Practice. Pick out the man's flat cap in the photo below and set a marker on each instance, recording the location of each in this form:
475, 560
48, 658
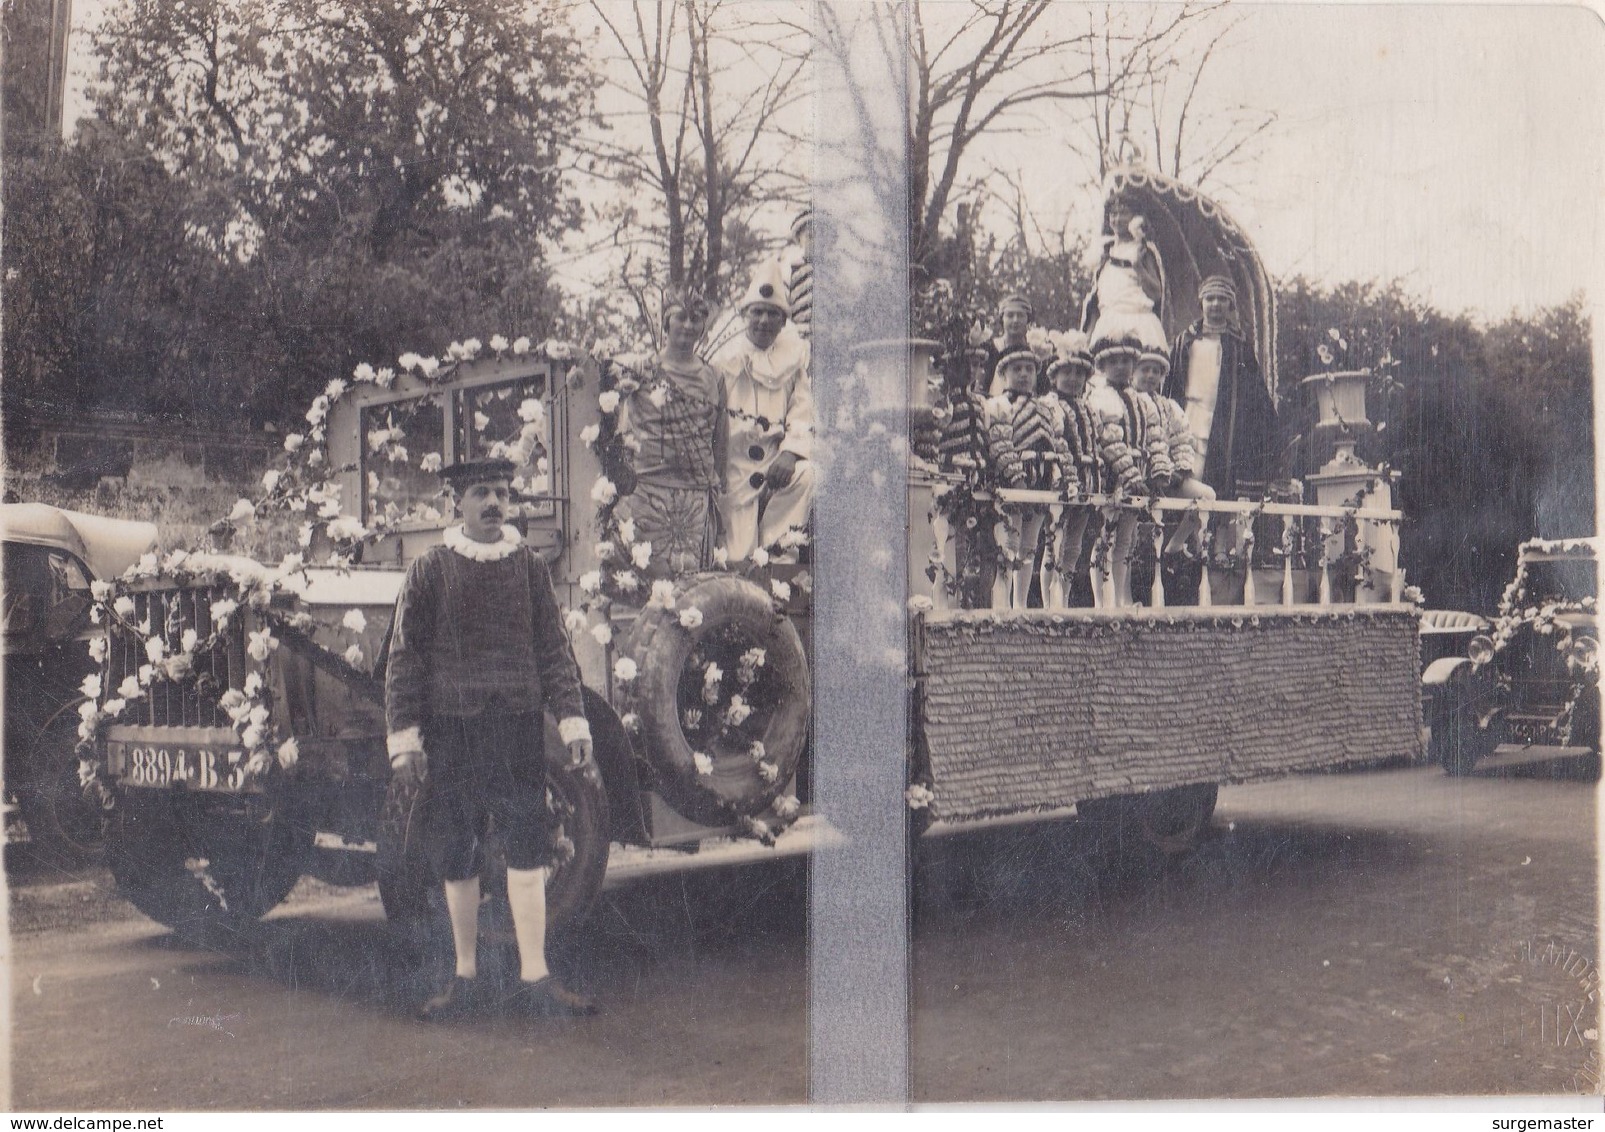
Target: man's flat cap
465, 473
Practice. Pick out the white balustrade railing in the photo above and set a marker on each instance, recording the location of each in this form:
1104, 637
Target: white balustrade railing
1325, 555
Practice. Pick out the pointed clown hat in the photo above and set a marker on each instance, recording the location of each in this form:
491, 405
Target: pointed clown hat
767, 289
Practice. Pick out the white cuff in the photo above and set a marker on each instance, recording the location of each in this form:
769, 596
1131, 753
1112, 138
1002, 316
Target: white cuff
573, 729
410, 741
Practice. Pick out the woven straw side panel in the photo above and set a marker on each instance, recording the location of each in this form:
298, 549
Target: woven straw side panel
1025, 712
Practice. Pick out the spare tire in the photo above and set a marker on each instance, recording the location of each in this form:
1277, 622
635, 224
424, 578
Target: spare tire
724, 704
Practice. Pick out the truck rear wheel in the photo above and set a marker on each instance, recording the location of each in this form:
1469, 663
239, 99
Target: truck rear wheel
1154, 827
413, 900
198, 864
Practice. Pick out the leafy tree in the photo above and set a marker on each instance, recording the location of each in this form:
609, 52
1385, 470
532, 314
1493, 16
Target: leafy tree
1542, 368
1490, 428
987, 66
985, 263
281, 188
1148, 106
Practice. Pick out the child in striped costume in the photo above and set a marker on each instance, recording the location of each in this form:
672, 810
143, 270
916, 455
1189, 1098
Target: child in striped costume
967, 447
1028, 426
1152, 366
1132, 441
1067, 375
800, 281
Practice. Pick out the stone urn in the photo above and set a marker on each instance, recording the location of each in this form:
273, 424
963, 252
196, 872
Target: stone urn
1340, 403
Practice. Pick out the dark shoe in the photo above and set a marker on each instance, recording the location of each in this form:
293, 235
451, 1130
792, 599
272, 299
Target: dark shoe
456, 1002
549, 998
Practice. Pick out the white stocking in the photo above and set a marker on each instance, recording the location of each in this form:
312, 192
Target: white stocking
526, 892
1030, 533
462, 904
1066, 556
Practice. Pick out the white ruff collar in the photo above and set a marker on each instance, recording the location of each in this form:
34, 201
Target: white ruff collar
510, 541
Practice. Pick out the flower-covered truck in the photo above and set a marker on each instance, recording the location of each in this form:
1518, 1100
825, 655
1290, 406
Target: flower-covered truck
1529, 688
239, 720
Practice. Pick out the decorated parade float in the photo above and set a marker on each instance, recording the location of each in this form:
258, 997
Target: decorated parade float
1296, 649
236, 720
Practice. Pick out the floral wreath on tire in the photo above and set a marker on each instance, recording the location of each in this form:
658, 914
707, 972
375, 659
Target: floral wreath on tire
733, 702
304, 487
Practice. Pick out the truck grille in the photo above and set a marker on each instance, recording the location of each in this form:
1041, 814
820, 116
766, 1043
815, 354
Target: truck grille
192, 701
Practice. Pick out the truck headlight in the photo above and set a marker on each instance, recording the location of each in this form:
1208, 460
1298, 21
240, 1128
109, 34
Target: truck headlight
1480, 649
1585, 653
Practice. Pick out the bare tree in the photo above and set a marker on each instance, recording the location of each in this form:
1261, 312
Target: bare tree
988, 66
1152, 106
712, 96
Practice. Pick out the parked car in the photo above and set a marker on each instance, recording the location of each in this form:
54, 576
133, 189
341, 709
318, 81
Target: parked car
1447, 632
1531, 682
51, 557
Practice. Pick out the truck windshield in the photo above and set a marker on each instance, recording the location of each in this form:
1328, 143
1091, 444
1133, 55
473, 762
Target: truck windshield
489, 420
404, 489
1566, 579
509, 419
406, 442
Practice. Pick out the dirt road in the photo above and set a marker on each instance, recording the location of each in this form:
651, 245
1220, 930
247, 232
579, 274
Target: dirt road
1396, 932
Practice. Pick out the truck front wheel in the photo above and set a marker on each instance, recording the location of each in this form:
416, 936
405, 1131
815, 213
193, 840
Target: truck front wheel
199, 863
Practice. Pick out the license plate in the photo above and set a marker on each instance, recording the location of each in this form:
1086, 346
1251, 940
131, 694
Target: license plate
177, 764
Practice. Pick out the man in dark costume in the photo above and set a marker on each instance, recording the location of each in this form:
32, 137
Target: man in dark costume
477, 651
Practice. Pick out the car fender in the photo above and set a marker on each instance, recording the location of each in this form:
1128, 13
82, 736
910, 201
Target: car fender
1441, 671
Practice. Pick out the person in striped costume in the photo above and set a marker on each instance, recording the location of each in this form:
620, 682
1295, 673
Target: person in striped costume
968, 449
1131, 439
1028, 426
1067, 374
800, 263
1153, 364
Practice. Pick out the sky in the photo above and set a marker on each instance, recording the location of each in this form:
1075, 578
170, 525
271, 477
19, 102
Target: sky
1459, 148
